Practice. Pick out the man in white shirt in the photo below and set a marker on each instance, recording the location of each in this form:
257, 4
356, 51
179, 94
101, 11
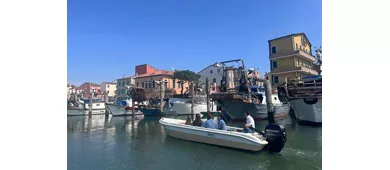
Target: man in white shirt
249, 123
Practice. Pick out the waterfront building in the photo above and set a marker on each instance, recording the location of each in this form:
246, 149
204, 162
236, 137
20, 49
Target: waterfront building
290, 57
87, 87
147, 77
109, 88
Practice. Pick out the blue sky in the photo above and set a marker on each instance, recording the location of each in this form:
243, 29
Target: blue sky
107, 39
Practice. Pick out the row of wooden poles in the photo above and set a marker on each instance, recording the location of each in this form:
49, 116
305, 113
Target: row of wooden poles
268, 93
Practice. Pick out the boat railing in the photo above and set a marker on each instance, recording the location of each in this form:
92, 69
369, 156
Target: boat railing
303, 88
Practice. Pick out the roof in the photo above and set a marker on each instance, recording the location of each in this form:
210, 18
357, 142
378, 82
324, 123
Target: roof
129, 77
146, 65
157, 73
108, 83
92, 84
215, 65
295, 34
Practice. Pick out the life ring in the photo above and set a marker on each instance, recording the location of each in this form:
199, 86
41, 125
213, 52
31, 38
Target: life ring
310, 102
223, 81
242, 80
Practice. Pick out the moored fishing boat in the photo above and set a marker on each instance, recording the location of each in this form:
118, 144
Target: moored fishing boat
82, 108
273, 139
305, 98
236, 99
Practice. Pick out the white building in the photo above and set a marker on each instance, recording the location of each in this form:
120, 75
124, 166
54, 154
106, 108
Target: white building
213, 72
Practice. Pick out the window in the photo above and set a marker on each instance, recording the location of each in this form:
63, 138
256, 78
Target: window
273, 50
211, 71
153, 84
218, 70
179, 84
296, 46
276, 79
128, 82
214, 80
173, 83
137, 84
275, 64
143, 85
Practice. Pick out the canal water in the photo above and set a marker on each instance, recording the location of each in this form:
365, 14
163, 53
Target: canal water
125, 143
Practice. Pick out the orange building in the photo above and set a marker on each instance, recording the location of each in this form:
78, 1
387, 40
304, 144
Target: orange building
148, 76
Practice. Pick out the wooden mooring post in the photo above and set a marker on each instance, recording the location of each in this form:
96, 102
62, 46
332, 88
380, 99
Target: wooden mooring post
90, 103
270, 107
192, 101
162, 89
208, 94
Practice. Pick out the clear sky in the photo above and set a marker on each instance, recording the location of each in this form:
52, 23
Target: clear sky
108, 38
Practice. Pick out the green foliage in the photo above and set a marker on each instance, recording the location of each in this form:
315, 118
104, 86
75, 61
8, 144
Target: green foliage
186, 75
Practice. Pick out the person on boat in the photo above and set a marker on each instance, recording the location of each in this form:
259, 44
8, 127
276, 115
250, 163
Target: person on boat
189, 120
210, 122
221, 123
197, 121
250, 122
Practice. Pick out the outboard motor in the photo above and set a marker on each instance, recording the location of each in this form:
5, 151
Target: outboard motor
276, 137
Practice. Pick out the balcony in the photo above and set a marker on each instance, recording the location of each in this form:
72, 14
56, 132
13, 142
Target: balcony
294, 69
293, 53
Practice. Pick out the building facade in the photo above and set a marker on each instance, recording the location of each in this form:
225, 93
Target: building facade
121, 87
290, 57
87, 88
147, 78
108, 87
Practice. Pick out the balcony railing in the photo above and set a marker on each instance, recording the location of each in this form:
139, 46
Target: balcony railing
295, 69
293, 53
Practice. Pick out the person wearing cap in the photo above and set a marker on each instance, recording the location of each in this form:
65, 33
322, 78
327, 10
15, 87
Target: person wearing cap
210, 122
221, 123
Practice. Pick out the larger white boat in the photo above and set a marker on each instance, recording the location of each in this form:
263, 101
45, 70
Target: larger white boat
275, 140
183, 106
305, 98
123, 110
98, 108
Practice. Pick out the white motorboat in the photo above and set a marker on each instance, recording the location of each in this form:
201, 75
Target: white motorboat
120, 110
274, 141
98, 108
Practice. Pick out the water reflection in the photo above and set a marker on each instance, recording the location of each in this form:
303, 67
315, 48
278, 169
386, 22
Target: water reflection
102, 142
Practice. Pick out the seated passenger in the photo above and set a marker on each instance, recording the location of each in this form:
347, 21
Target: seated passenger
189, 120
210, 122
249, 123
221, 123
197, 121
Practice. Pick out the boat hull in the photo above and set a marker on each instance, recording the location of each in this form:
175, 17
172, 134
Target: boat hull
84, 112
235, 140
236, 110
150, 111
185, 108
118, 110
307, 113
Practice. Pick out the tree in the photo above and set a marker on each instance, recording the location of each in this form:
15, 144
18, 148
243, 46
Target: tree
185, 76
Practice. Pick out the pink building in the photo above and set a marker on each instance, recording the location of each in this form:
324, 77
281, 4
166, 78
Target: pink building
87, 89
